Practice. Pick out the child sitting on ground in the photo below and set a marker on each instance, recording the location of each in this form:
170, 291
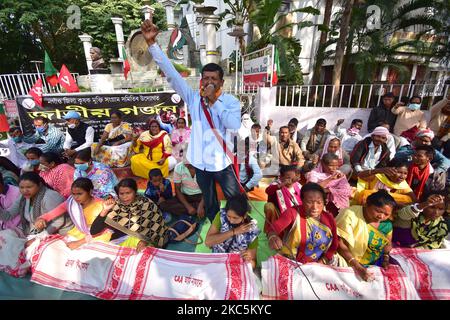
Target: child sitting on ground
283, 194
159, 189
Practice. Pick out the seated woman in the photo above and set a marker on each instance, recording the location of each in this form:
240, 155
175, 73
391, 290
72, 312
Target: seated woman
333, 181
332, 145
57, 175
9, 171
365, 234
422, 225
32, 164
283, 194
152, 148
8, 195
131, 207
35, 200
114, 146
311, 230
102, 177
391, 179
233, 231
82, 208
180, 139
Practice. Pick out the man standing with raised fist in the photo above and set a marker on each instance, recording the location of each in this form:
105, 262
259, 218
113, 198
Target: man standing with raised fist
209, 108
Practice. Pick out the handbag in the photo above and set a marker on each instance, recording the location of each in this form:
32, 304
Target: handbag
182, 229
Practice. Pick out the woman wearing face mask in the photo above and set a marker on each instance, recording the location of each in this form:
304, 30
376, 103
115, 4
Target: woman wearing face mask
134, 207
180, 139
113, 149
233, 231
365, 234
32, 165
82, 208
391, 178
311, 230
422, 225
152, 148
35, 200
58, 175
102, 177
8, 195
409, 116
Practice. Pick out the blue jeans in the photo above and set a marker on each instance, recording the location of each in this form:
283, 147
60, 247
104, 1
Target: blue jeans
206, 181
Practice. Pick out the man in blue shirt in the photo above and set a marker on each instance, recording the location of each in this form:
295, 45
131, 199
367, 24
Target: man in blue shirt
47, 137
424, 137
205, 152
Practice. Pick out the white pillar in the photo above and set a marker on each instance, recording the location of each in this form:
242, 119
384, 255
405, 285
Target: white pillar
210, 22
87, 45
413, 73
201, 39
119, 34
169, 5
147, 11
384, 73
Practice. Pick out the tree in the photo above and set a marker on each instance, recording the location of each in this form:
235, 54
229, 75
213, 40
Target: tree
96, 21
266, 17
367, 51
31, 26
340, 47
323, 40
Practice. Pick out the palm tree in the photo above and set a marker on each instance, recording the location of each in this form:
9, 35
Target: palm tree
266, 18
323, 40
340, 47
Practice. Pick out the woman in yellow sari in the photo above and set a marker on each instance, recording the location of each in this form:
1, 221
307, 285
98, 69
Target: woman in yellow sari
113, 149
392, 179
152, 148
83, 208
365, 234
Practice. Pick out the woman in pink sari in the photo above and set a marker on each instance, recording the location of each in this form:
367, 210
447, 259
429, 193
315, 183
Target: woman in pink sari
333, 145
58, 175
8, 195
180, 139
333, 181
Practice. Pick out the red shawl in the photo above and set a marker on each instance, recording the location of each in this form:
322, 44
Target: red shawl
153, 144
415, 173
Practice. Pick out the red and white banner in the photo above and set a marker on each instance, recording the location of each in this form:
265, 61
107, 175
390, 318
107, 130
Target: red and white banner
257, 68
13, 256
108, 271
283, 279
429, 271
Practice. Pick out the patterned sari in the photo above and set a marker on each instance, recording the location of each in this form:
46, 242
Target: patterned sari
399, 191
102, 177
308, 240
365, 242
115, 156
238, 242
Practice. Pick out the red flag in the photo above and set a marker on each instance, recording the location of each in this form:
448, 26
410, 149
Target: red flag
36, 92
66, 80
126, 64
